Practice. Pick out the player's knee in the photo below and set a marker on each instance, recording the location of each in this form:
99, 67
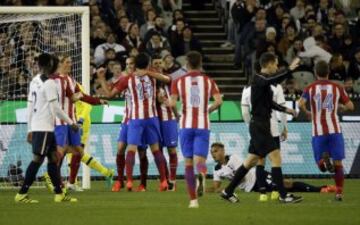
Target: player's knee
338, 163
38, 159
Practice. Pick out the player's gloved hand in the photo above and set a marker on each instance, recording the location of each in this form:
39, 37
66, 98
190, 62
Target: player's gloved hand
75, 127
29, 137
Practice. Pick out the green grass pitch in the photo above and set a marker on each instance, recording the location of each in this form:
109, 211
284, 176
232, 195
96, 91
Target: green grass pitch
99, 206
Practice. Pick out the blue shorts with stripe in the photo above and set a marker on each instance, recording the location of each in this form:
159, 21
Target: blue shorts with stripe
331, 143
169, 133
123, 133
194, 142
64, 136
142, 131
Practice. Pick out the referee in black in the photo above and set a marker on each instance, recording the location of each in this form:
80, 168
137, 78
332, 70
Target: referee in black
262, 142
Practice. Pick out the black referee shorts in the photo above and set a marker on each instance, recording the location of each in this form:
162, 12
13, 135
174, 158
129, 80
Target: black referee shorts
43, 143
261, 142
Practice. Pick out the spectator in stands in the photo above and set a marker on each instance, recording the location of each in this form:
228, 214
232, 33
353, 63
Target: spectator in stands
255, 37
241, 14
110, 55
349, 48
133, 40
291, 89
309, 26
110, 43
276, 15
188, 43
159, 28
337, 68
317, 30
288, 39
337, 41
121, 30
354, 67
113, 71
314, 52
322, 12
175, 34
156, 44
170, 65
97, 37
270, 35
295, 48
149, 24
298, 12
167, 7
349, 86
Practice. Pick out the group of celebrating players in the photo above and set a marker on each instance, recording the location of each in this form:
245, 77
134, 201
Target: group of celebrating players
151, 119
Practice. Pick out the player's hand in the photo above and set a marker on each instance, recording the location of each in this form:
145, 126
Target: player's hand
341, 108
294, 64
29, 137
75, 127
284, 135
101, 72
140, 72
104, 102
291, 112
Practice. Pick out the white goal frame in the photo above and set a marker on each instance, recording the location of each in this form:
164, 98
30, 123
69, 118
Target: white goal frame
85, 48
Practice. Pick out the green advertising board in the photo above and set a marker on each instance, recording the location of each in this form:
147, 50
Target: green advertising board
15, 112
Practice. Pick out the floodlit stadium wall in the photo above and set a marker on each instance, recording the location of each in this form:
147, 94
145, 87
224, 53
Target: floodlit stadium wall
296, 151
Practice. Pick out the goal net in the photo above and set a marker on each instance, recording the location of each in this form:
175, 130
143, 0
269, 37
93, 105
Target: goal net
25, 32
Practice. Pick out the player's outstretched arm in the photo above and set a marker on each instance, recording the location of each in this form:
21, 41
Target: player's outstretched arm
155, 75
281, 75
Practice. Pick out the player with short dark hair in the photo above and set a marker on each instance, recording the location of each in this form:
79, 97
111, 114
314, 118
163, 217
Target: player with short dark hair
43, 108
168, 122
143, 123
262, 142
326, 98
228, 164
195, 90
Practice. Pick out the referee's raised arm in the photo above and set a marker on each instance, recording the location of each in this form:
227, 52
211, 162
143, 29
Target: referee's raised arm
269, 74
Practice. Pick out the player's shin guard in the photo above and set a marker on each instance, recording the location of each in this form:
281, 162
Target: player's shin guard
30, 176
94, 164
173, 165
160, 163
239, 175
54, 176
190, 181
120, 164
278, 180
144, 165
74, 167
261, 179
339, 179
129, 163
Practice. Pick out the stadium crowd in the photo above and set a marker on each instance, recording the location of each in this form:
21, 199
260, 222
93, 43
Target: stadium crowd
310, 29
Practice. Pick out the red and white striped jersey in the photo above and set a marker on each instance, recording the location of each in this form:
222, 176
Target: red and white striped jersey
324, 97
194, 90
65, 86
165, 113
128, 105
142, 90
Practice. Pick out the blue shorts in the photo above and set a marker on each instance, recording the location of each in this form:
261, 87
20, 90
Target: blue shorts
144, 131
123, 136
194, 142
169, 133
331, 143
64, 135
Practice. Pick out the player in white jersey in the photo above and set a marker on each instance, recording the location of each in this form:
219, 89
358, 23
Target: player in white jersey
228, 164
43, 108
278, 97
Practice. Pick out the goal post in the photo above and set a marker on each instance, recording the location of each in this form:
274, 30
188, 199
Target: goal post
54, 25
